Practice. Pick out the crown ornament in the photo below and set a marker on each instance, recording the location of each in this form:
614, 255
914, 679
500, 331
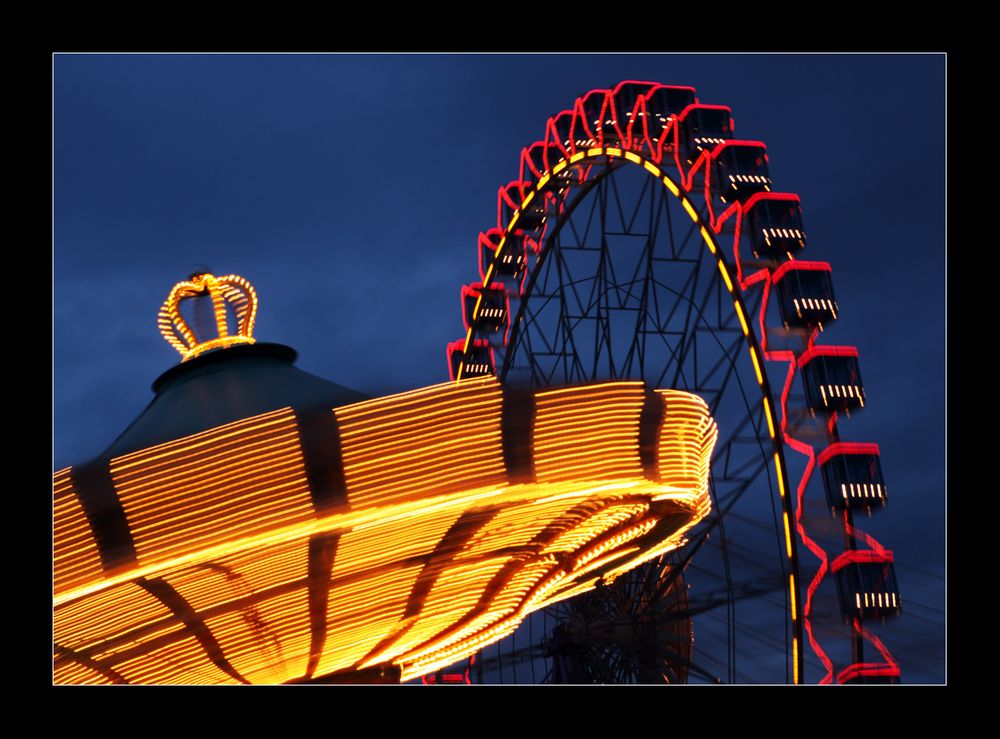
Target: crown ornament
234, 309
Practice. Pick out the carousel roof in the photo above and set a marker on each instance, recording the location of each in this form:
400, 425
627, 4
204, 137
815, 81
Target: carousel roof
223, 386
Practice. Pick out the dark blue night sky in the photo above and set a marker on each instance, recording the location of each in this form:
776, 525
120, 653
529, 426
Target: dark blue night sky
350, 190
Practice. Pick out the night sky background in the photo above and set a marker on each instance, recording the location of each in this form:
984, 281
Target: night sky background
350, 189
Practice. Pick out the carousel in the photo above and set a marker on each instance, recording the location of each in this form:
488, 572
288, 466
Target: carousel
259, 524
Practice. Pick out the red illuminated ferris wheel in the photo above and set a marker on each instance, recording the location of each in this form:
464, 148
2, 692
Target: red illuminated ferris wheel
643, 240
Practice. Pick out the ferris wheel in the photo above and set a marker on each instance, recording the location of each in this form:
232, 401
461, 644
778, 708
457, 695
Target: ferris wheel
643, 240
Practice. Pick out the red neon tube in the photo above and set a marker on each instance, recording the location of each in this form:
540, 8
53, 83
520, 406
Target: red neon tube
798, 265
844, 447
864, 669
737, 142
826, 351
861, 556
701, 106
789, 197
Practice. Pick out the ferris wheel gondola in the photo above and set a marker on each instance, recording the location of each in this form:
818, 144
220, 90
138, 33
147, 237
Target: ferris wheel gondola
656, 242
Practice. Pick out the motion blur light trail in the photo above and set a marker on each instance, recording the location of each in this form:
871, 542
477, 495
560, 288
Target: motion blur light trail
436, 550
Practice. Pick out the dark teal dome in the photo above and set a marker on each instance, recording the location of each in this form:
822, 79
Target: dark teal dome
223, 386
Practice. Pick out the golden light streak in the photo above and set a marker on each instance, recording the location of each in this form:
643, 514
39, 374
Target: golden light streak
707, 238
652, 168
690, 209
600, 562
615, 541
180, 661
725, 275
795, 660
384, 543
788, 534
687, 438
756, 365
169, 514
475, 308
770, 420
465, 350
73, 673
577, 157
274, 646
743, 320
672, 186
86, 623
448, 652
587, 492
592, 527
595, 152
488, 625
76, 558
579, 588
362, 614
241, 462
633, 157
791, 594
777, 472
612, 151
669, 544
210, 437
225, 517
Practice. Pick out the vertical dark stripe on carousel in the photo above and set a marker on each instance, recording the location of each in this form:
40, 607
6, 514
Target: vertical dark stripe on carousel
654, 409
64, 654
322, 548
453, 541
95, 490
517, 420
319, 439
168, 596
510, 568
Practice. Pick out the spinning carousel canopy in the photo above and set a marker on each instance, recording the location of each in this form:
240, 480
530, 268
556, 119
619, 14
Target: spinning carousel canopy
260, 525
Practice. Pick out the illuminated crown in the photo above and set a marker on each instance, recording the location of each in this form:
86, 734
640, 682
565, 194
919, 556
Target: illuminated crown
230, 291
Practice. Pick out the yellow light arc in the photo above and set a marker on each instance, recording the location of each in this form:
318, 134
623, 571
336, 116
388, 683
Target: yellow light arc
755, 354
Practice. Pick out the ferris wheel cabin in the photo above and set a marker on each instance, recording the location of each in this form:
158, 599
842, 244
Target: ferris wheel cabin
625, 108
866, 584
703, 127
493, 315
739, 170
479, 361
852, 476
511, 198
661, 102
831, 376
505, 252
773, 223
559, 130
805, 294
538, 159
590, 111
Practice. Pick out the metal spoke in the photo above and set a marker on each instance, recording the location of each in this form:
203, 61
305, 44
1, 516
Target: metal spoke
623, 288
